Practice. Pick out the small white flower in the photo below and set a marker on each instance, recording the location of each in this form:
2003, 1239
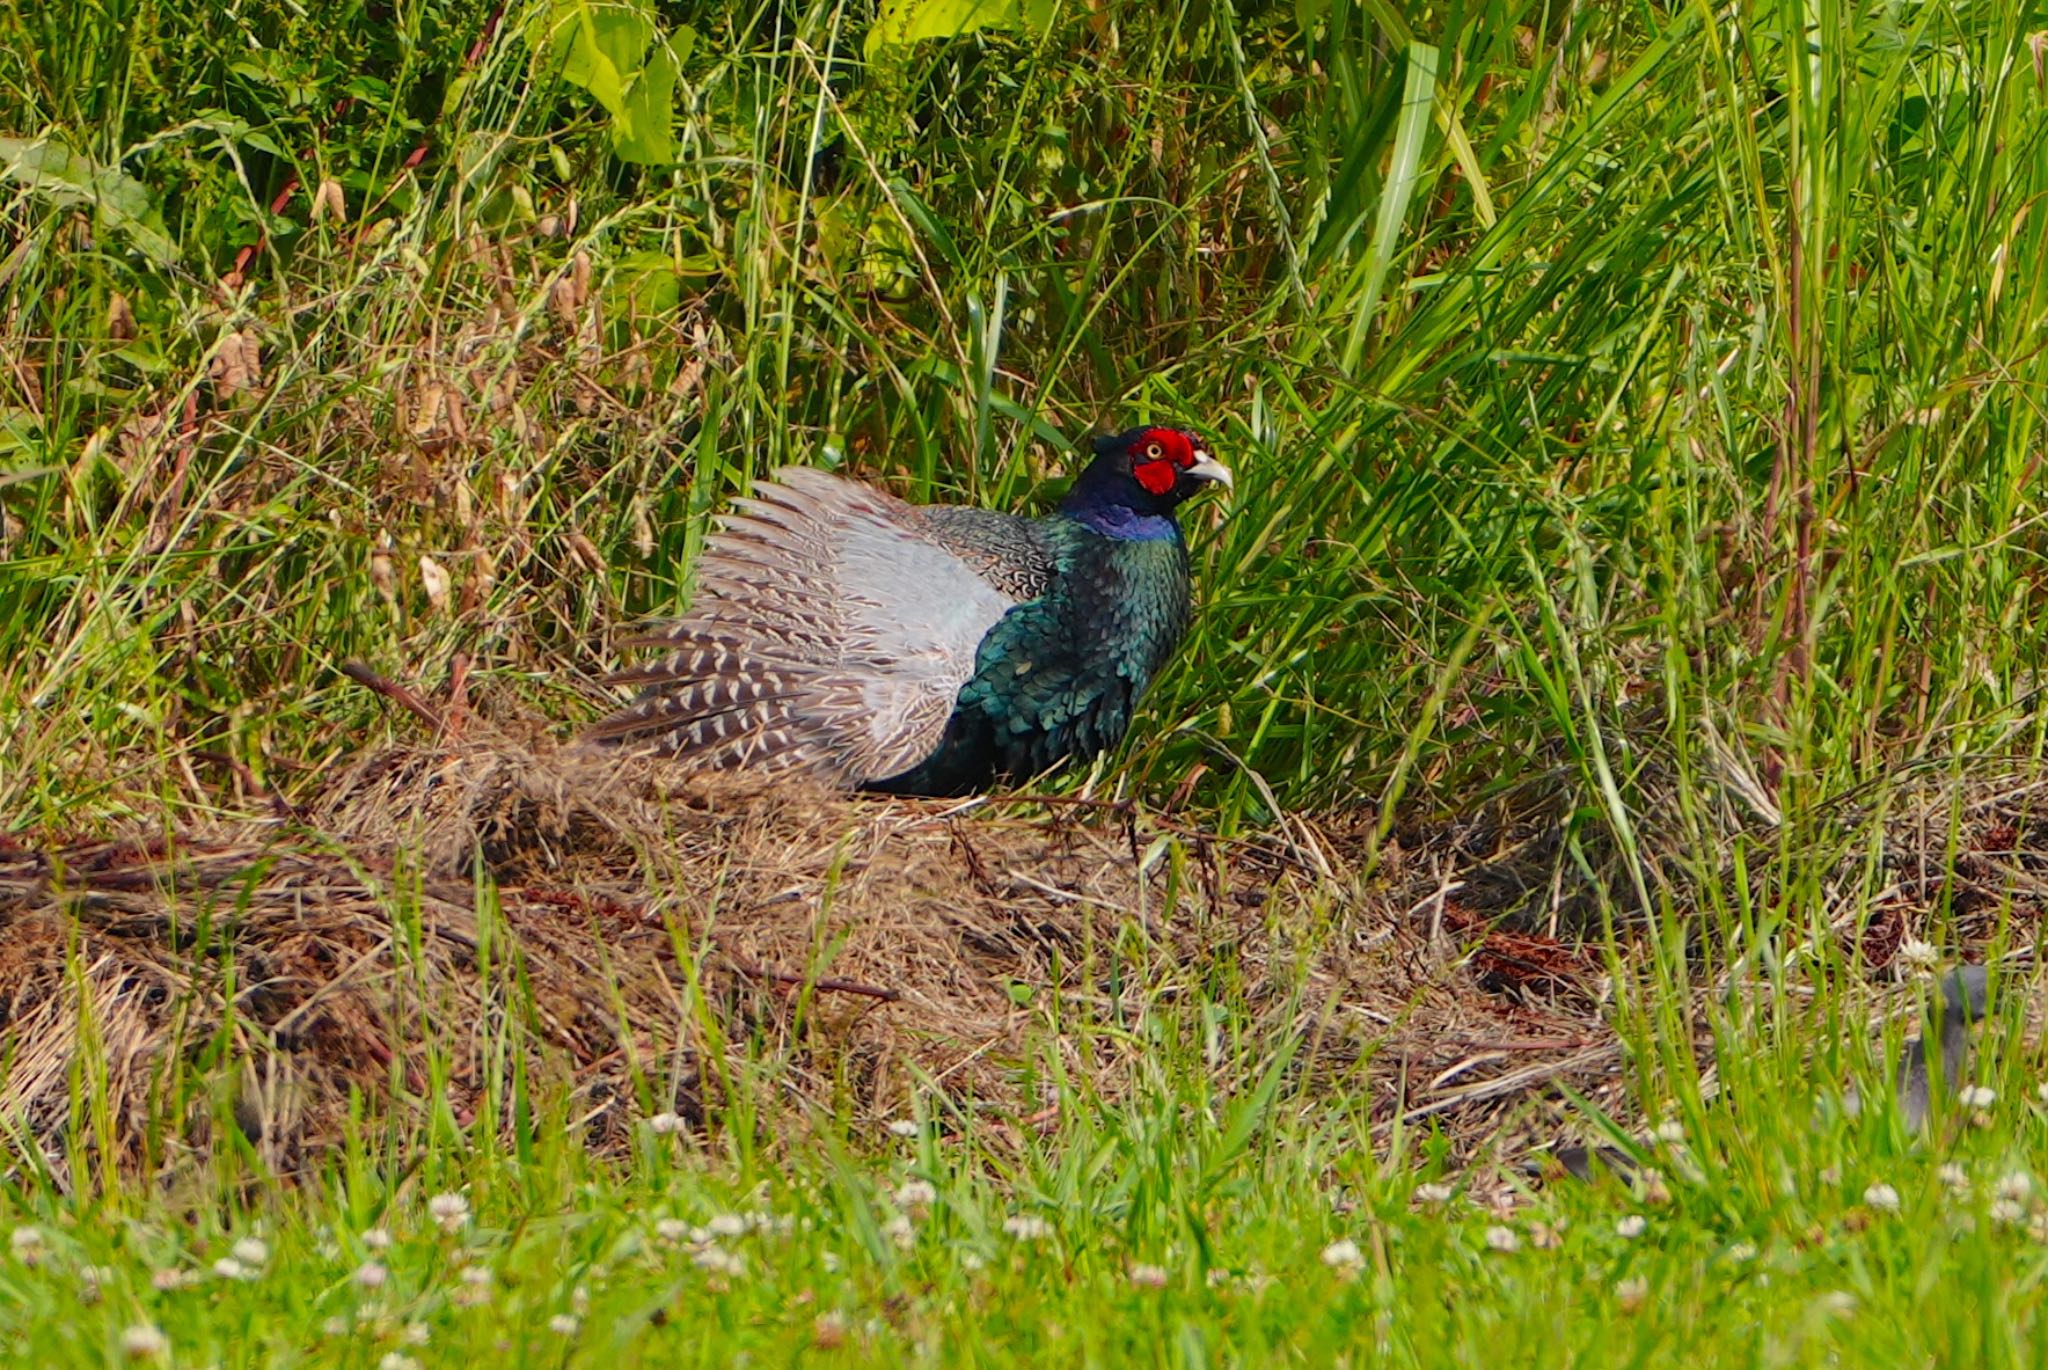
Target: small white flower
719, 1261
1027, 1227
144, 1342
1671, 1131
1433, 1193
415, 1334
897, 1228
475, 1276
727, 1225
27, 1244
1839, 1303
2007, 1211
335, 1327
905, 1128
970, 1261
916, 1194
1741, 1253
1632, 1226
228, 1268
377, 1239
251, 1251
579, 1301
830, 1261
1632, 1293
2041, 1091
1343, 1254
397, 1360
371, 1275
1149, 1276
1978, 1096
476, 1286
563, 1325
665, 1124
1503, 1239
1915, 954
1882, 1197
1955, 1177
2017, 1186
671, 1230
169, 1280
449, 1211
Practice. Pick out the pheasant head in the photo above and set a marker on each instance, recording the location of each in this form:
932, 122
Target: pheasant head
1139, 476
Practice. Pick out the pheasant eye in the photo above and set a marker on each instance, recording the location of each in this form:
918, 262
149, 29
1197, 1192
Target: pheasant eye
1153, 451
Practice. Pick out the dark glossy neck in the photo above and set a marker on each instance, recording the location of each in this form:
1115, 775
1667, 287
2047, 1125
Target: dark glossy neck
1106, 501
1123, 522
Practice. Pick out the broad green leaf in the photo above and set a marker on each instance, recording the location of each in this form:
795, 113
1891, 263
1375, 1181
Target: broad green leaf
910, 21
640, 130
53, 171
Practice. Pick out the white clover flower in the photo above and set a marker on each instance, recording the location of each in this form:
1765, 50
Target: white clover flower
579, 1301
377, 1239
1954, 1176
2017, 1186
1671, 1132
415, 1334
2007, 1212
228, 1268
1149, 1276
449, 1211
1741, 1253
2041, 1091
727, 1225
144, 1342
830, 1261
169, 1280
1915, 954
1632, 1226
1839, 1303
372, 1275
1503, 1239
672, 1230
905, 1128
665, 1124
396, 1360
916, 1194
335, 1327
1978, 1096
971, 1261
1632, 1293
1027, 1227
563, 1325
251, 1251
1343, 1254
718, 1261
476, 1286
1433, 1193
26, 1243
898, 1228
1882, 1198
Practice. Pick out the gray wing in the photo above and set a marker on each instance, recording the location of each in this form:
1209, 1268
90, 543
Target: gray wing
831, 630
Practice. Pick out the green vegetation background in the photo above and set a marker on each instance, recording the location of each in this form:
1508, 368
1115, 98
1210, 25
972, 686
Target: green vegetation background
1636, 411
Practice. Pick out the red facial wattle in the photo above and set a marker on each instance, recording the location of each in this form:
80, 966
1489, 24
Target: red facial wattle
1161, 455
1156, 476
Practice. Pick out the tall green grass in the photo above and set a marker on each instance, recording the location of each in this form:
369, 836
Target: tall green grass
1637, 420
1603, 377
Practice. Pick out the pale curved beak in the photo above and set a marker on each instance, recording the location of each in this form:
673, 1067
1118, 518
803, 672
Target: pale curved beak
1207, 467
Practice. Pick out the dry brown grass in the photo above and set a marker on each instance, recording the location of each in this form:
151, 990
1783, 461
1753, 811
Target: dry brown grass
665, 928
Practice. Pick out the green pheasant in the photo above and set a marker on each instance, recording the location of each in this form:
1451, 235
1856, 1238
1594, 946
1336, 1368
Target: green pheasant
924, 649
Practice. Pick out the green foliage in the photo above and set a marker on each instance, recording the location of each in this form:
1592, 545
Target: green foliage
614, 50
